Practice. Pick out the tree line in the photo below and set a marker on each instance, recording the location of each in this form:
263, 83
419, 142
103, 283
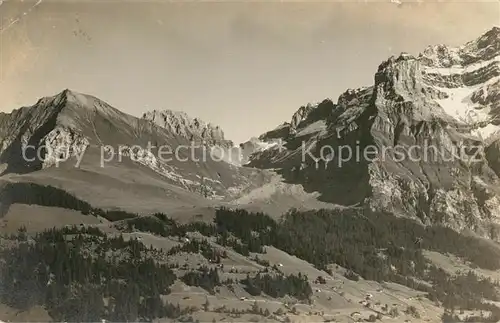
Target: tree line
374, 245
71, 273
46, 195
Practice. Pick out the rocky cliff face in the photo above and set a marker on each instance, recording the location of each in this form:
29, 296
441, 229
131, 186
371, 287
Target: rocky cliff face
192, 129
425, 123
39, 131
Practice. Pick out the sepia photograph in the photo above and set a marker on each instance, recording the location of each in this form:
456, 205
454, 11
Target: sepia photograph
250, 161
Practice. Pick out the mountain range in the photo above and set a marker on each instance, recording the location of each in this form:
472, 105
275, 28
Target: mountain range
441, 101
431, 122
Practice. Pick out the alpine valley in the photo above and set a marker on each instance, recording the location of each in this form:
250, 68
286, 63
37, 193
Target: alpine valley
94, 225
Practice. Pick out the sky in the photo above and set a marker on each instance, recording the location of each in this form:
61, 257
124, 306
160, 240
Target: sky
246, 66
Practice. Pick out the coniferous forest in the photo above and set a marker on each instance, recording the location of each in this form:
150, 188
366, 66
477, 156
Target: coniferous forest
72, 273
83, 274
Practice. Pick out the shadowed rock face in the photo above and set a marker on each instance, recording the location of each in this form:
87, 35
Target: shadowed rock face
46, 124
443, 101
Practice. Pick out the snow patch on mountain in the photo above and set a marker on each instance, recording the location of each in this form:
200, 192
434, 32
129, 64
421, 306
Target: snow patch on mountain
459, 105
458, 69
482, 49
258, 145
447, 97
148, 159
486, 132
262, 146
315, 127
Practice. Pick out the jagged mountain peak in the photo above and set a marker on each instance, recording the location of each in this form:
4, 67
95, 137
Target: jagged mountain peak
178, 116
349, 95
68, 95
458, 85
301, 114
423, 80
483, 48
311, 112
447, 97
489, 37
181, 123
61, 129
